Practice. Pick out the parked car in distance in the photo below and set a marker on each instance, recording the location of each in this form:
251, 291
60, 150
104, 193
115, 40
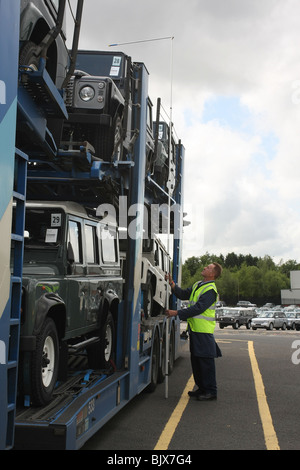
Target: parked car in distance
270, 319
293, 320
245, 303
235, 317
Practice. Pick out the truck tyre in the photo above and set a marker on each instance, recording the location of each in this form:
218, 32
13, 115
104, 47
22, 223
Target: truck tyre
154, 364
44, 366
27, 56
271, 326
236, 325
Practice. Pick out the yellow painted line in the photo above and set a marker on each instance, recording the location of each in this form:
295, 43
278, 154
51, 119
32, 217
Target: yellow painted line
229, 341
264, 411
170, 427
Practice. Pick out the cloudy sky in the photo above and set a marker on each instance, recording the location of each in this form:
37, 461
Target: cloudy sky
235, 106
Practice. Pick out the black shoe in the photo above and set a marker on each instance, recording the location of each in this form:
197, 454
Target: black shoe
194, 393
206, 397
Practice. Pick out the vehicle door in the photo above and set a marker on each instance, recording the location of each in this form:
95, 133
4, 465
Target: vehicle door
160, 281
78, 288
278, 320
94, 278
243, 317
283, 319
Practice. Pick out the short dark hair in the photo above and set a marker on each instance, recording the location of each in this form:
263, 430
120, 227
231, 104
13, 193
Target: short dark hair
218, 270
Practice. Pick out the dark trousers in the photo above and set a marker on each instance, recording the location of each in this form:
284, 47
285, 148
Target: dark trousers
204, 372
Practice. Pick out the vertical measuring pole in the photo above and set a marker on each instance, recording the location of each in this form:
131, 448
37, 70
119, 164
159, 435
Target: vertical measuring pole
169, 222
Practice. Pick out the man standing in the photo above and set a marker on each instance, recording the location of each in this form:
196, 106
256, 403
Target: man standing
200, 316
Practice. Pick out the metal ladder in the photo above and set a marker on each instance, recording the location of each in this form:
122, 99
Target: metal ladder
17, 238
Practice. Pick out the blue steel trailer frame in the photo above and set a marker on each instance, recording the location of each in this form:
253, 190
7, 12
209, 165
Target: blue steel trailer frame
13, 167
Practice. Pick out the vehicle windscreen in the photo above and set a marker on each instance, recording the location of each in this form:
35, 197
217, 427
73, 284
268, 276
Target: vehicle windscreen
230, 312
43, 234
104, 65
266, 315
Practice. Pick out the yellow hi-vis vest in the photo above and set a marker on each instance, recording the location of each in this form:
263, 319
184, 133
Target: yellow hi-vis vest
205, 322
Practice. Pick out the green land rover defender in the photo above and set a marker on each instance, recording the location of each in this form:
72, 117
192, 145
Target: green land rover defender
72, 286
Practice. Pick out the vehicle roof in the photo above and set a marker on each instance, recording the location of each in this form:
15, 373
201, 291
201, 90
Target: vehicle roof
265, 312
73, 208
88, 51
238, 308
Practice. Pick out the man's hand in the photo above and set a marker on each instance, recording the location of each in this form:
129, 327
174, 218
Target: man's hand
171, 313
168, 278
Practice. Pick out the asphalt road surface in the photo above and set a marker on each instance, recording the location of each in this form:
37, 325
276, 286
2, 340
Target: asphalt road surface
257, 407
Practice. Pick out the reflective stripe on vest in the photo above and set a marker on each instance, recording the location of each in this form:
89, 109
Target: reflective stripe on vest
205, 322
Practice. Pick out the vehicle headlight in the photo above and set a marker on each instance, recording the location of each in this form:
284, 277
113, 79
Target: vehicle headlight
87, 93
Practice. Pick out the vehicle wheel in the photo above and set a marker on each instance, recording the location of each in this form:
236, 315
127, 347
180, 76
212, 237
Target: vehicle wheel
154, 364
271, 326
107, 342
283, 327
45, 361
117, 140
293, 327
235, 326
100, 354
27, 56
254, 328
248, 325
108, 141
148, 300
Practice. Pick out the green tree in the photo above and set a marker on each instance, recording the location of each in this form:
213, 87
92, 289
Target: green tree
290, 265
192, 264
273, 282
227, 287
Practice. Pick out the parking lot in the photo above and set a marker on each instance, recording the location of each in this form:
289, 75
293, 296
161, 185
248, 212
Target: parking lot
257, 407
267, 318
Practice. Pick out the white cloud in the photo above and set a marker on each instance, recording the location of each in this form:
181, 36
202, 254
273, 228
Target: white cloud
242, 180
